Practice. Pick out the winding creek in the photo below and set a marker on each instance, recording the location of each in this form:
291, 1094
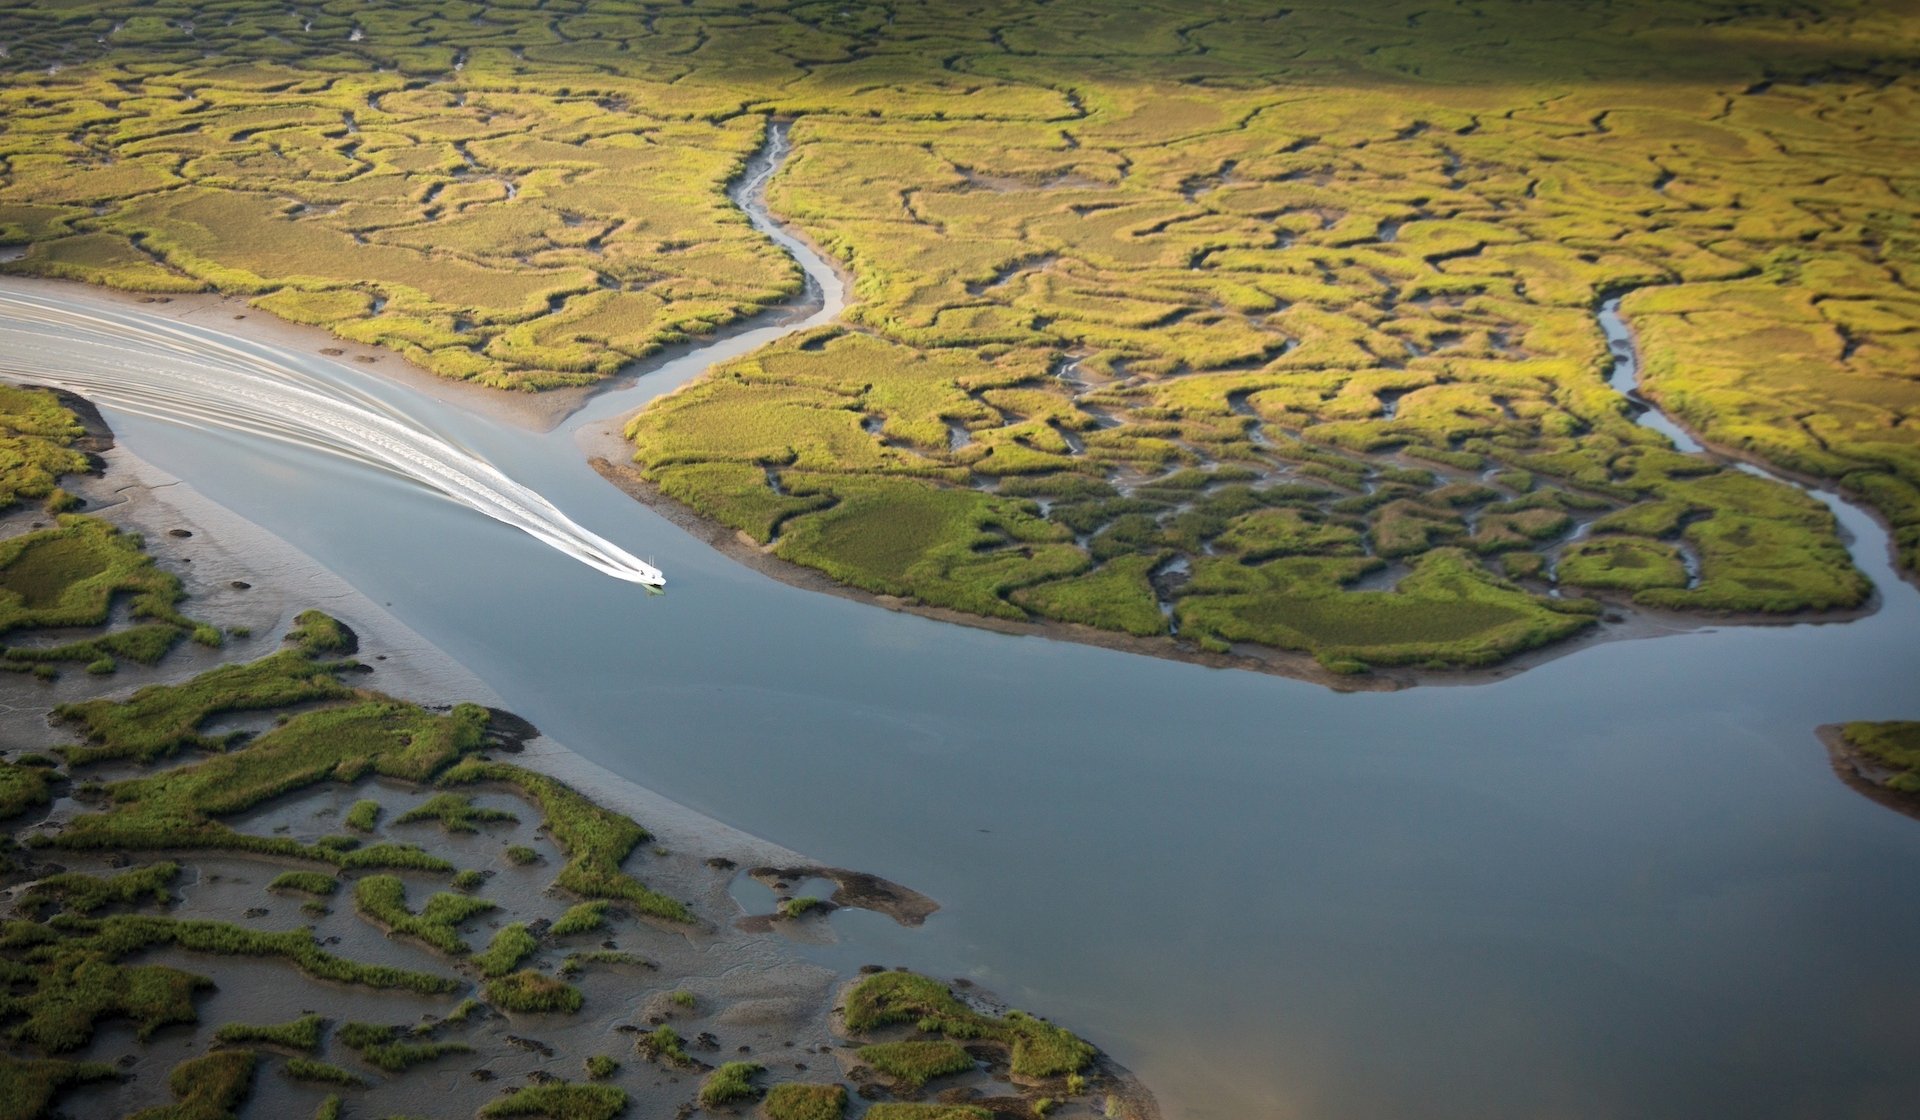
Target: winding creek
1621, 883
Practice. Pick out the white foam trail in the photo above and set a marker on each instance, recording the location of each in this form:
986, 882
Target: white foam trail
156, 368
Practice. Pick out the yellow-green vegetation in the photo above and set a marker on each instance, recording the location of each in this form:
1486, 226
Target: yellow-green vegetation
79, 893
28, 1086
301, 1034
159, 720
596, 840
797, 907
913, 1110
795, 1100
67, 975
362, 816
70, 575
383, 1047
511, 945
581, 917
601, 1066
488, 226
663, 1043
314, 883
26, 785
207, 1088
560, 1100
731, 1082
456, 812
383, 899
1447, 610
1174, 271
322, 1073
179, 808
1892, 748
1133, 287
1037, 1048
37, 437
913, 1064
527, 990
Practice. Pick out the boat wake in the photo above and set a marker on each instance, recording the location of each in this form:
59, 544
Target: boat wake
164, 370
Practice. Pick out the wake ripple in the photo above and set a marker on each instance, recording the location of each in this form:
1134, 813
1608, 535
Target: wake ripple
168, 371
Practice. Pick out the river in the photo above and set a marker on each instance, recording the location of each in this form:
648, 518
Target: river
1623, 883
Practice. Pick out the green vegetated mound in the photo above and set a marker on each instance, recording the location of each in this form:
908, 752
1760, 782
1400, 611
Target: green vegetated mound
70, 574
37, 438
1881, 760
1036, 1048
1152, 314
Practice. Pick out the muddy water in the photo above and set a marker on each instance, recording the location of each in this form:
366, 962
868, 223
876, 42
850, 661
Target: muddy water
1622, 883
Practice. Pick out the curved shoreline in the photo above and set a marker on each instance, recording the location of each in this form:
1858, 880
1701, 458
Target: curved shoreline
1862, 775
1624, 620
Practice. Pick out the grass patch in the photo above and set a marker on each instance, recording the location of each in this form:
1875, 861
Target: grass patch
733, 1081
913, 1064
68, 975
1447, 611
383, 1047
455, 812
581, 917
796, 1101
29, 1087
79, 893
366, 734
529, 991
383, 899
663, 1044
596, 840
362, 816
69, 575
159, 720
1893, 745
314, 883
511, 945
560, 1101
301, 1034
208, 1088
1038, 1048
25, 787
912, 1110
322, 1073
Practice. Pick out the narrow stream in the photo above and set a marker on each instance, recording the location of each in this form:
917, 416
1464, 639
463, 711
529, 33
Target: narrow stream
1625, 380
1623, 883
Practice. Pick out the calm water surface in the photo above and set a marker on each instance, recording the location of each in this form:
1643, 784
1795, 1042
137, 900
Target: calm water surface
1622, 884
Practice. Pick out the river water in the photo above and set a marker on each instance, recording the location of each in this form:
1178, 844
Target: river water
1623, 883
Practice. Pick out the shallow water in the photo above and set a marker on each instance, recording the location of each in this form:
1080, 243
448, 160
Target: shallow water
1622, 883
